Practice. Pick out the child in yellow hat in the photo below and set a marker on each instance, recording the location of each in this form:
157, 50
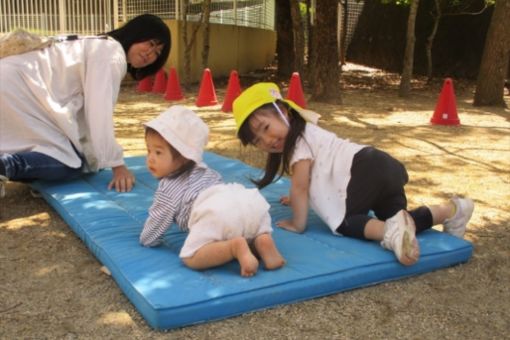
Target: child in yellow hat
223, 219
340, 180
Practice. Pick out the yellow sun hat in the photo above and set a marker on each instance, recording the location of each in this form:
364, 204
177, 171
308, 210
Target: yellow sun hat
260, 94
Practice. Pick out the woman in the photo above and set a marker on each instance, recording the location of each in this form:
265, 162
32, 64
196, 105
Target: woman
57, 104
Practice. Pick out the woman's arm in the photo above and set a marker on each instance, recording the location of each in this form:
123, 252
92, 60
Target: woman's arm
105, 68
300, 183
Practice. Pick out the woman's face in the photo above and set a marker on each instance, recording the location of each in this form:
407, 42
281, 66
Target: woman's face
269, 129
144, 53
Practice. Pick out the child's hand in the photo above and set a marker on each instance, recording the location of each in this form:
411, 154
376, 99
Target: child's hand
285, 200
288, 225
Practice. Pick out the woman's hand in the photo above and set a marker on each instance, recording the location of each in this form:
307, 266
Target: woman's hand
123, 180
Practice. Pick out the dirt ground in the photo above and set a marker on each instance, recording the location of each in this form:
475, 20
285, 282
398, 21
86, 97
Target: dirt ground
51, 286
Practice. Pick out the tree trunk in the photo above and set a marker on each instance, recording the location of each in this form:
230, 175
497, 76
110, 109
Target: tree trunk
407, 71
496, 54
326, 71
343, 32
206, 10
430, 40
284, 39
187, 49
299, 36
310, 24
188, 45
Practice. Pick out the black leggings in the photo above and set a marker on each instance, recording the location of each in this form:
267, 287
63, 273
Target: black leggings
377, 184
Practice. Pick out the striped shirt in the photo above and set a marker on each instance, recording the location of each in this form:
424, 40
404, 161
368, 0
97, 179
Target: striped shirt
173, 201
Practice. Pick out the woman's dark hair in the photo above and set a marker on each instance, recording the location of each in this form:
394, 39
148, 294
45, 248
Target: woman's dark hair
275, 161
139, 29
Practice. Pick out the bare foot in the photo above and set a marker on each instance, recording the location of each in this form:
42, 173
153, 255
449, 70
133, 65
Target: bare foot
266, 248
248, 262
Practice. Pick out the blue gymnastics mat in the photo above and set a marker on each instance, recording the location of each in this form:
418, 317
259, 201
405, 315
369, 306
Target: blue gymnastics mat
169, 295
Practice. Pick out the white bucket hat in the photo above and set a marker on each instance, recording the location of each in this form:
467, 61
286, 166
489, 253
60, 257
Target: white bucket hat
184, 130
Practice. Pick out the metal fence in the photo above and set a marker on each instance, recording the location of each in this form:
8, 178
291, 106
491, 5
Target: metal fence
351, 16
52, 17
249, 13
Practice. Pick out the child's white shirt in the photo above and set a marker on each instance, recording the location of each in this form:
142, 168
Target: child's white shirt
331, 160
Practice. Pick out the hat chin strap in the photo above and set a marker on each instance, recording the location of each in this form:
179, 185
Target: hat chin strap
281, 113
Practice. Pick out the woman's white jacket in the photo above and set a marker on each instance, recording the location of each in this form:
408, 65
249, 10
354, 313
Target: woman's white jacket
60, 100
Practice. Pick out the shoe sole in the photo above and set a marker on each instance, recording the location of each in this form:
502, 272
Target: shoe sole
471, 207
467, 204
409, 248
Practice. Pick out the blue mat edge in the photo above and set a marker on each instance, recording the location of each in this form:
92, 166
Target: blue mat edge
290, 293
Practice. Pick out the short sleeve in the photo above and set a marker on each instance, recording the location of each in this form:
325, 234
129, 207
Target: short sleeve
302, 151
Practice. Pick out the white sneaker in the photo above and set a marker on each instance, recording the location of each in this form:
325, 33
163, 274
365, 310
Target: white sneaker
456, 225
3, 181
400, 236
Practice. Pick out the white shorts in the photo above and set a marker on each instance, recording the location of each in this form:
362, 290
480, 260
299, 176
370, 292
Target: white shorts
223, 212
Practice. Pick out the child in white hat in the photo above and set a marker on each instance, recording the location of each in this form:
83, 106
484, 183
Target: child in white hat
223, 220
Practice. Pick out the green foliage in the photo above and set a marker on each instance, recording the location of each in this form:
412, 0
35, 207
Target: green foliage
302, 8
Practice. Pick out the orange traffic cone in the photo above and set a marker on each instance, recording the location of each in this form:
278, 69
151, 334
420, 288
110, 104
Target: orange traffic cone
295, 92
446, 107
159, 85
144, 85
233, 91
173, 88
206, 93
